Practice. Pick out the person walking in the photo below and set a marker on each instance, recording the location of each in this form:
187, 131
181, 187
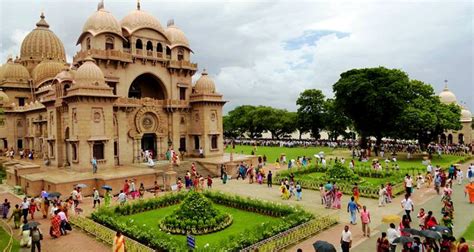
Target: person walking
107, 198
16, 216
408, 184
269, 179
94, 165
96, 197
36, 237
383, 245
5, 208
25, 206
352, 208
408, 206
365, 220
122, 198
382, 195
119, 242
299, 191
392, 234
470, 190
346, 239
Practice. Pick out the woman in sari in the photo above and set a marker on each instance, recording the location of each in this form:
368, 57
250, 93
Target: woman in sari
284, 191
470, 190
337, 200
356, 194
119, 243
16, 216
45, 207
33, 208
55, 230
107, 198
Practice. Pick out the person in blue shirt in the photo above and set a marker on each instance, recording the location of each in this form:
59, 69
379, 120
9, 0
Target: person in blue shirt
352, 208
451, 172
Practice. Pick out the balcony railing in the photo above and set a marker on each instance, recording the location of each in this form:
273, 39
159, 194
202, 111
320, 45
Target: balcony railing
182, 64
103, 54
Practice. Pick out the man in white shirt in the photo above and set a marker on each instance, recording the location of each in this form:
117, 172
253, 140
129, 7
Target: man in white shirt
122, 197
408, 184
25, 205
96, 197
392, 233
429, 169
64, 221
407, 205
346, 239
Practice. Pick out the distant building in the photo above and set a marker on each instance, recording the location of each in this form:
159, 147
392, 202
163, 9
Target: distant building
464, 135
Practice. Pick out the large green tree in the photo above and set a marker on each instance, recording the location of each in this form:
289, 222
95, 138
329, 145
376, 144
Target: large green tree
335, 122
311, 112
282, 123
425, 117
372, 98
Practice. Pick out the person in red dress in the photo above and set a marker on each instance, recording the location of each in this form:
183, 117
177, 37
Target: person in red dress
126, 187
33, 208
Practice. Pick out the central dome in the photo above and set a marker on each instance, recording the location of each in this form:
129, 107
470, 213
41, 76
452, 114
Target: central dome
139, 19
102, 21
42, 43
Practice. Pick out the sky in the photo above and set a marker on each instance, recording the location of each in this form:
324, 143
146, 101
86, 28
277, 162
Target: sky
268, 52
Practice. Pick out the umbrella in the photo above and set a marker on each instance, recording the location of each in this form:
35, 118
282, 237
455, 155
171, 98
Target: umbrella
106, 187
30, 225
403, 239
430, 234
54, 195
323, 246
81, 185
392, 218
412, 231
316, 156
442, 229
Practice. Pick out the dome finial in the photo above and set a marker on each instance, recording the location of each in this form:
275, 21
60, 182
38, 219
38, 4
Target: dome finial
170, 22
446, 85
42, 22
204, 71
138, 4
100, 5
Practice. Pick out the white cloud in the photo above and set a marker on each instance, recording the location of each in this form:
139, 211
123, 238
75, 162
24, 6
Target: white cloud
14, 43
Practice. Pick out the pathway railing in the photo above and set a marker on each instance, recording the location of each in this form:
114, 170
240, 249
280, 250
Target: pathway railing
293, 235
106, 235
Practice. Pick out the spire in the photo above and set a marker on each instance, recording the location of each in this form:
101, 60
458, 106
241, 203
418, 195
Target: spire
446, 85
170, 22
100, 5
42, 22
138, 4
204, 72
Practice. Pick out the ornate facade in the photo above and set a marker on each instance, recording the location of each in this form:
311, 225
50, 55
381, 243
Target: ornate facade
128, 89
465, 134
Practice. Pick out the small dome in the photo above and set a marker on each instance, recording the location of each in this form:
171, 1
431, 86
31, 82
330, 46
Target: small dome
446, 96
139, 19
89, 74
176, 36
42, 43
205, 85
3, 98
47, 69
14, 71
65, 74
466, 115
101, 21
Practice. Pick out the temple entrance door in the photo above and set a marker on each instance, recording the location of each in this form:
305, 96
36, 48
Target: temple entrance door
149, 143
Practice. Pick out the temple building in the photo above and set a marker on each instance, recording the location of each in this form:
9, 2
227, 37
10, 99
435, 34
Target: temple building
128, 89
465, 134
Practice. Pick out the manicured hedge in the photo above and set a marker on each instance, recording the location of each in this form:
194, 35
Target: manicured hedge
292, 216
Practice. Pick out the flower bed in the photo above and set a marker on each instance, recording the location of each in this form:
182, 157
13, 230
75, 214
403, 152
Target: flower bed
161, 241
196, 215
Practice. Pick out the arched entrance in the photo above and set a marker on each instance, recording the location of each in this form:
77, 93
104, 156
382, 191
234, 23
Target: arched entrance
461, 139
147, 85
450, 139
149, 143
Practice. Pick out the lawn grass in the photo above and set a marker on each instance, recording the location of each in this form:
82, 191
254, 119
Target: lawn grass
241, 220
469, 232
368, 180
5, 238
273, 153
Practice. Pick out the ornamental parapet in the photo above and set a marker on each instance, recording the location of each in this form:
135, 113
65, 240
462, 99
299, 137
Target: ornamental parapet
182, 64
103, 55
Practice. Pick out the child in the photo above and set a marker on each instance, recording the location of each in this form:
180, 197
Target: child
389, 192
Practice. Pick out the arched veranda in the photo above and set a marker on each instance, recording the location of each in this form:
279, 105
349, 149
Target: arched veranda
147, 85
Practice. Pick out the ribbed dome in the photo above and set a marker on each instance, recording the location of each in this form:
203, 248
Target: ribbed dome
101, 21
89, 74
14, 71
3, 98
205, 85
176, 36
47, 69
139, 19
446, 96
466, 115
42, 43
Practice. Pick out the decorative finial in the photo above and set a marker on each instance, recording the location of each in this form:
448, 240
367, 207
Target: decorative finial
204, 71
170, 22
100, 5
42, 22
445, 84
138, 4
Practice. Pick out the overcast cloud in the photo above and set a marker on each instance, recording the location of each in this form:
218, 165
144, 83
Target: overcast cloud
267, 52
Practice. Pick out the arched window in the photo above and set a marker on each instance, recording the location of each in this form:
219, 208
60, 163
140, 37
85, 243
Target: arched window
126, 45
180, 54
139, 44
109, 43
149, 46
88, 43
159, 48
461, 139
